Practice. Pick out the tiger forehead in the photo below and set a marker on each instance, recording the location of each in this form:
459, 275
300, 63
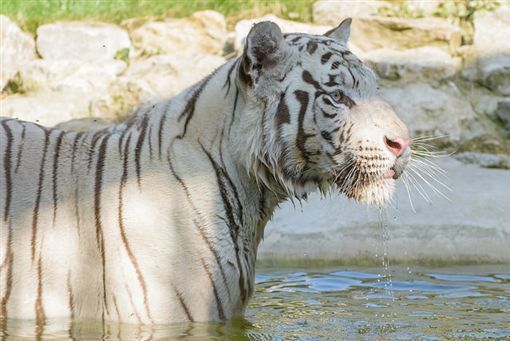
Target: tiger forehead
339, 66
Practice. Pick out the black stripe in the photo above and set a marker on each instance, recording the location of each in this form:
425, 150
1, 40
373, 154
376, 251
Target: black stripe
189, 109
95, 139
74, 149
234, 110
282, 112
221, 313
40, 315
227, 81
139, 146
55, 174
301, 137
9, 256
308, 78
35, 213
231, 222
149, 138
7, 169
123, 235
183, 304
325, 57
311, 46
198, 226
97, 211
21, 145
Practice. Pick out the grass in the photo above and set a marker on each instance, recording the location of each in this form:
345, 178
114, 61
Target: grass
30, 14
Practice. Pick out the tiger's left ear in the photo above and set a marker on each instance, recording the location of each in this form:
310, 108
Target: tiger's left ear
342, 32
264, 49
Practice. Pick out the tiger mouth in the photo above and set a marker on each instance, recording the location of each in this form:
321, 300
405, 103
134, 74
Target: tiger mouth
373, 188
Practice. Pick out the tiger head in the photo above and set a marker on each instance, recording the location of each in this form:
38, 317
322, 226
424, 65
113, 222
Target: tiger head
320, 120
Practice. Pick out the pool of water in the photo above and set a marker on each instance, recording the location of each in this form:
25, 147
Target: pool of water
400, 303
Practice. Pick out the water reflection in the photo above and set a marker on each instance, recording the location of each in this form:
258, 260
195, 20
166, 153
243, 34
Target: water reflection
330, 304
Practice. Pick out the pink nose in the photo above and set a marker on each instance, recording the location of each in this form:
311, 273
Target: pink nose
397, 145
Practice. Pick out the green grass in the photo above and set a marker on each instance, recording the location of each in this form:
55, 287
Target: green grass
31, 13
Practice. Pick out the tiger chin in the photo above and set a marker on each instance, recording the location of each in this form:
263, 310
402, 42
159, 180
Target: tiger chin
158, 219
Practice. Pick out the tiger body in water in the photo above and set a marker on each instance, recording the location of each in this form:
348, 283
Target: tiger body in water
158, 220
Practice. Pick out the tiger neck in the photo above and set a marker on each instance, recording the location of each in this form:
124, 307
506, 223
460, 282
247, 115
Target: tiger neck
216, 119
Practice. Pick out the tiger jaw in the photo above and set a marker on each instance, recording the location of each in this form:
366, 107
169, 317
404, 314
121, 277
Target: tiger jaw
376, 192
368, 182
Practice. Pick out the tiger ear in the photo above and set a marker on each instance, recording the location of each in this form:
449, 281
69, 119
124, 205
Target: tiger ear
342, 32
265, 47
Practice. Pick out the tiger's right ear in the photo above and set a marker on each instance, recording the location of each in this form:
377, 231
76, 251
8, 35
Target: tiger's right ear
265, 47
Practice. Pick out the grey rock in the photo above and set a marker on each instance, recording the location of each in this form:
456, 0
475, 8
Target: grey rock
488, 59
16, 49
485, 159
81, 40
472, 226
204, 32
503, 112
441, 111
423, 63
163, 76
372, 32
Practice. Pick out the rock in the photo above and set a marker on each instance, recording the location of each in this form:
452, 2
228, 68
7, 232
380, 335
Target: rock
84, 124
243, 27
370, 33
495, 74
490, 53
16, 49
81, 41
485, 159
163, 76
47, 108
333, 12
503, 112
70, 75
484, 101
470, 227
423, 63
203, 32
438, 112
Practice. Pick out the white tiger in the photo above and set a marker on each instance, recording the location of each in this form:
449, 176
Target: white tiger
158, 220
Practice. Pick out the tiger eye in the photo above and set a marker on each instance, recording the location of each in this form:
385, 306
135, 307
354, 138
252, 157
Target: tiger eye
337, 95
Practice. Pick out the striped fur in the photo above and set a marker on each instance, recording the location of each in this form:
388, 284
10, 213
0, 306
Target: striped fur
158, 220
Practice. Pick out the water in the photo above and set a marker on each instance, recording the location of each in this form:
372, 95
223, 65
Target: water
468, 302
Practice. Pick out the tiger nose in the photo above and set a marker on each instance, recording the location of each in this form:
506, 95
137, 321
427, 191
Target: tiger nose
398, 145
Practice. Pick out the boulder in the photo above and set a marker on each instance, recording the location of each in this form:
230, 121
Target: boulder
503, 112
488, 60
203, 32
470, 227
70, 74
81, 40
329, 12
46, 107
372, 32
163, 76
423, 63
16, 49
441, 111
485, 159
